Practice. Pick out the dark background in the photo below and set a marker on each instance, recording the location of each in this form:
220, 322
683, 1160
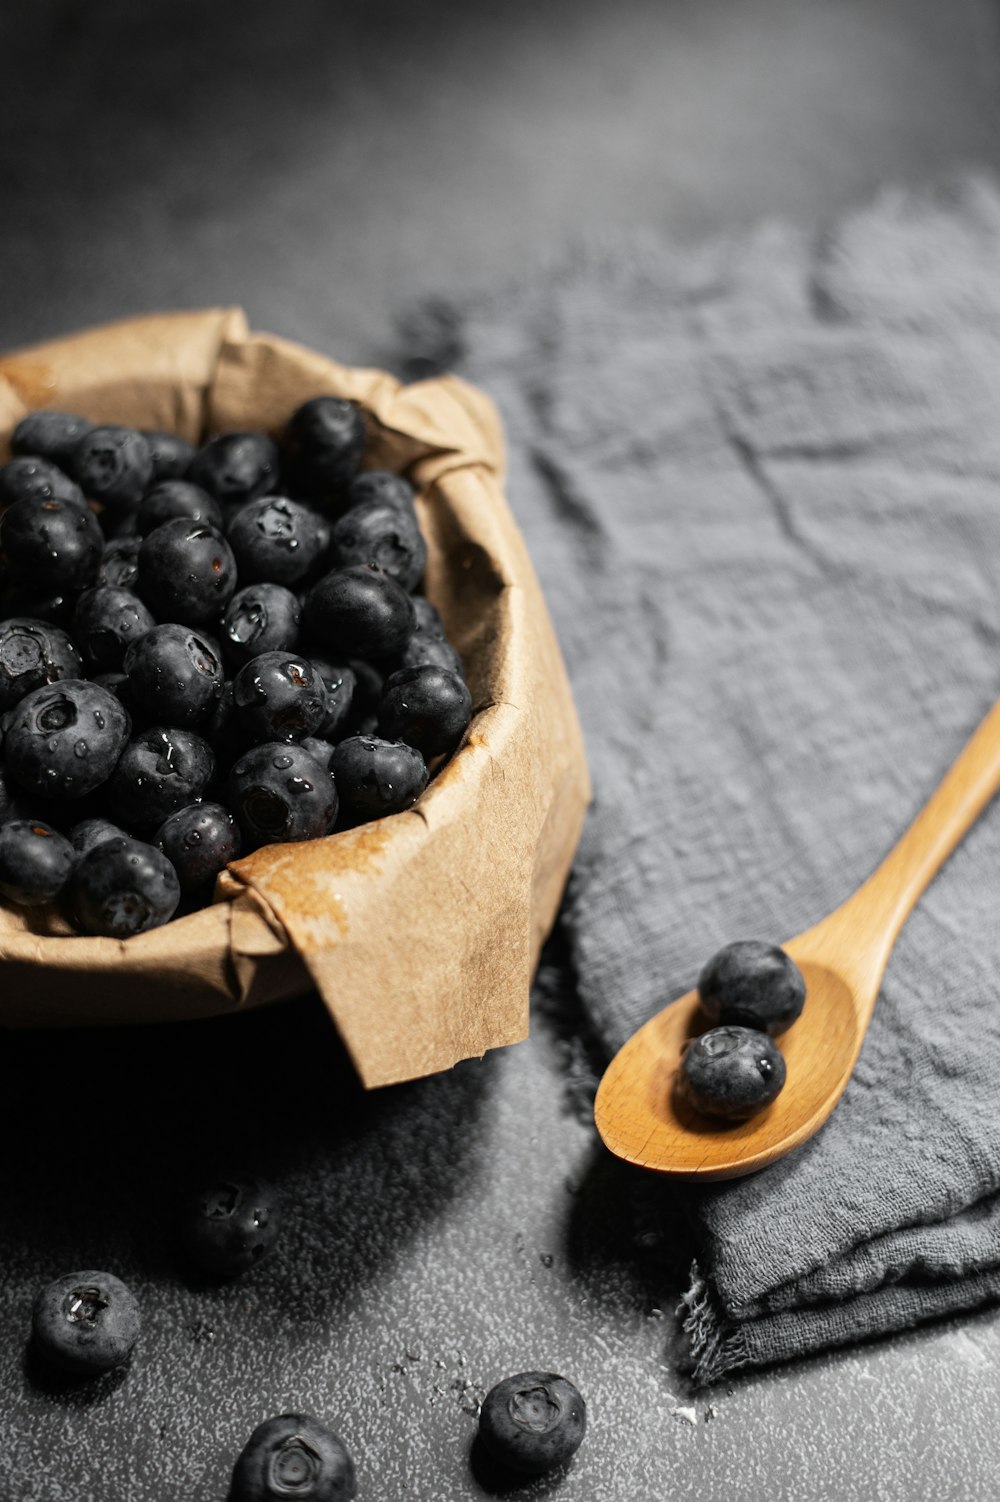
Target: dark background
323, 165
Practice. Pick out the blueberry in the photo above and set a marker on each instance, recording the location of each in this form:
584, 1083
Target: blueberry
360, 612
236, 467
277, 539
231, 1225
170, 499
199, 841
427, 707
384, 487
752, 984
369, 682
187, 572
423, 650
325, 441
105, 624
375, 777
171, 454
55, 544
293, 1455
427, 619
731, 1072
260, 618
123, 887
174, 674
159, 772
319, 750
120, 565
64, 739
384, 535
113, 464
532, 1422
278, 792
85, 1323
279, 697
35, 862
340, 681
37, 479
33, 653
50, 435
90, 833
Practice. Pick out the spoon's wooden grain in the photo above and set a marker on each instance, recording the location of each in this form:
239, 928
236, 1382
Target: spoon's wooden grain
843, 959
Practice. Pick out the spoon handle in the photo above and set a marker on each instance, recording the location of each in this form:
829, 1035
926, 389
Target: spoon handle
881, 905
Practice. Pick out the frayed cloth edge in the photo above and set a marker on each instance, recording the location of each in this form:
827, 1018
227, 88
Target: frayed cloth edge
712, 1346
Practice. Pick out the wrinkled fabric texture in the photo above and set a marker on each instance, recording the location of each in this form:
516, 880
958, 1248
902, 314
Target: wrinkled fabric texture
760, 482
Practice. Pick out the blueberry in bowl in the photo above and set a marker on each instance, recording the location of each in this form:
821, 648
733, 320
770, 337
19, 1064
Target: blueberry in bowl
294, 1455
32, 477
55, 543
173, 499
199, 840
36, 862
236, 467
260, 618
50, 435
64, 739
113, 464
174, 674
279, 793
376, 777
427, 707
187, 572
279, 696
33, 653
162, 770
122, 887
360, 611
276, 539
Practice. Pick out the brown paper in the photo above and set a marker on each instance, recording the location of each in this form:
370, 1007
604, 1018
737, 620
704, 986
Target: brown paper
421, 932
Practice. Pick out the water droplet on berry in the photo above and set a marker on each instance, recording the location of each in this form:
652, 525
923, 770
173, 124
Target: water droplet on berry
81, 750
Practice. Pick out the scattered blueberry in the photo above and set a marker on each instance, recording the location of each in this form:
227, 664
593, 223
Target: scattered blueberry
376, 777
64, 739
50, 435
532, 1422
231, 1225
199, 841
260, 618
31, 478
113, 464
174, 673
54, 543
172, 499
731, 1072
383, 486
293, 1455
277, 539
236, 467
278, 792
90, 833
105, 624
752, 984
33, 653
171, 454
325, 440
35, 862
279, 696
187, 572
159, 772
85, 1323
360, 612
123, 887
427, 707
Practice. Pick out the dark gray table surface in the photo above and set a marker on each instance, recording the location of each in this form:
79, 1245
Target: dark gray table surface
321, 164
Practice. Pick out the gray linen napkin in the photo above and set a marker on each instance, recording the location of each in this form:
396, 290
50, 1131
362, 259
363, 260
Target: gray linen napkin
761, 485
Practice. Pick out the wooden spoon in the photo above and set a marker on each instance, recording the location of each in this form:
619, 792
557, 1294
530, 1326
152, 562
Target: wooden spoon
843, 959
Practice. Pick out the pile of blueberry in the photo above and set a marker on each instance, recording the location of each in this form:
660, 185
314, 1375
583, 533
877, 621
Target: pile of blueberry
205, 651
87, 1323
751, 992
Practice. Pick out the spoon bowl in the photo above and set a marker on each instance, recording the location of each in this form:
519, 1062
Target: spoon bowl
842, 959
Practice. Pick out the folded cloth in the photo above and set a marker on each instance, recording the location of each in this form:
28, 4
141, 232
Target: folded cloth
760, 482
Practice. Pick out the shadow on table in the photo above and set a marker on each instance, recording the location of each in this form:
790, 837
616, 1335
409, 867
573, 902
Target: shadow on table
107, 1129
